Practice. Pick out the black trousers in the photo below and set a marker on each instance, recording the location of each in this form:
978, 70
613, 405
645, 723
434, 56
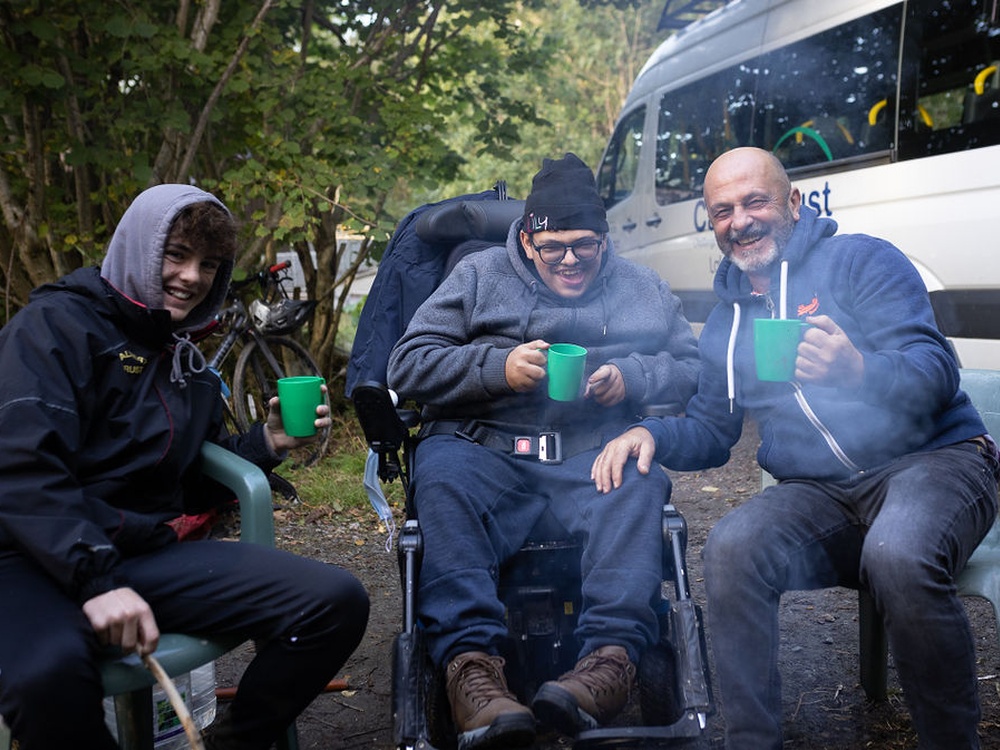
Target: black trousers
306, 616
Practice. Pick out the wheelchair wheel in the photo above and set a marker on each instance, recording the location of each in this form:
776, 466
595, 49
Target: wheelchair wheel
658, 697
254, 383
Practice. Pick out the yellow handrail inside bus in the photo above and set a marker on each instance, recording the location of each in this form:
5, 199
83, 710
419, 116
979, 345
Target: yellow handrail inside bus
811, 125
876, 108
814, 134
879, 106
980, 83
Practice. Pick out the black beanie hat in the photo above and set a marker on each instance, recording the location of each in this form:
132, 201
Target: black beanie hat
564, 196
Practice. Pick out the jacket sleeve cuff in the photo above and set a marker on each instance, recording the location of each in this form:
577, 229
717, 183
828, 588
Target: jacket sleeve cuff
495, 372
252, 446
98, 585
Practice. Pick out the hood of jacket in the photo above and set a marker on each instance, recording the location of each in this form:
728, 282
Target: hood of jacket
134, 261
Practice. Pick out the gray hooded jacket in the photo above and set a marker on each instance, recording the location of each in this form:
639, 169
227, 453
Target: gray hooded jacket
451, 359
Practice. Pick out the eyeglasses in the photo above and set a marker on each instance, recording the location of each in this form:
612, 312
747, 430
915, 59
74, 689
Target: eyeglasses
552, 253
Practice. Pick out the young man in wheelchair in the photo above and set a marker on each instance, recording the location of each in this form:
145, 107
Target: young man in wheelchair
474, 355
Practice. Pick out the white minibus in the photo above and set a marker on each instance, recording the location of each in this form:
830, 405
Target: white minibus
886, 115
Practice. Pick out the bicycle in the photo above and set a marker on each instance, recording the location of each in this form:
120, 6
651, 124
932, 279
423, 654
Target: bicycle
267, 354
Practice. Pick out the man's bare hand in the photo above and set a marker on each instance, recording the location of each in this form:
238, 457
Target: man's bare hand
123, 618
606, 386
609, 465
525, 366
826, 356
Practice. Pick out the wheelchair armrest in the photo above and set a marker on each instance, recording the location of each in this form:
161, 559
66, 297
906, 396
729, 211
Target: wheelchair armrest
385, 426
250, 485
674, 527
662, 410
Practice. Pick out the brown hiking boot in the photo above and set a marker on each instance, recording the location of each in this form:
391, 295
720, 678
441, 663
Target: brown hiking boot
591, 695
486, 713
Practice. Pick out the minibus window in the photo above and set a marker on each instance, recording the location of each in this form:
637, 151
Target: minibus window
696, 124
952, 82
828, 97
616, 177
824, 99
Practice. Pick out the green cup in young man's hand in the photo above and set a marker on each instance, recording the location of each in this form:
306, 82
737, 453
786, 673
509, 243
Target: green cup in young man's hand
298, 397
566, 364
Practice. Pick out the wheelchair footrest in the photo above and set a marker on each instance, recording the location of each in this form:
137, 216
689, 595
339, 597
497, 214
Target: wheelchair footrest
691, 724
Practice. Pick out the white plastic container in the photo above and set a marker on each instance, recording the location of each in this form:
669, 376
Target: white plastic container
197, 688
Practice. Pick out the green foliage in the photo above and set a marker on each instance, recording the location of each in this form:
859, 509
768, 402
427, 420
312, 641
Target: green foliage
308, 120
591, 52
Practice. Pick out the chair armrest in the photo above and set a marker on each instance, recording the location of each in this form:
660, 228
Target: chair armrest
251, 487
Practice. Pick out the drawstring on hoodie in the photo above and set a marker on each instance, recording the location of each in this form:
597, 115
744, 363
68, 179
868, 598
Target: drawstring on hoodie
800, 397
195, 360
526, 317
731, 357
604, 305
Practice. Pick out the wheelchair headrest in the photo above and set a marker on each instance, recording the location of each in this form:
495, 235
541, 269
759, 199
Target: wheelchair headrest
456, 222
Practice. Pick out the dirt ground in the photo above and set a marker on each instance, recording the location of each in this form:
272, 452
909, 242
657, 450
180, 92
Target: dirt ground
824, 705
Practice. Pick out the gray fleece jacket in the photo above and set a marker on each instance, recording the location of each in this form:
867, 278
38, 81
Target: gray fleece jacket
451, 358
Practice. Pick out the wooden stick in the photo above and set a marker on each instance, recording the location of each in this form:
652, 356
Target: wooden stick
190, 729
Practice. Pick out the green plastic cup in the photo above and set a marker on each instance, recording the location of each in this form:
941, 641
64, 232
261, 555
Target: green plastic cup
775, 346
299, 397
565, 369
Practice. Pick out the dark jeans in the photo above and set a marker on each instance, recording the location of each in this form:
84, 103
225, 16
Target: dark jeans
903, 531
306, 616
476, 508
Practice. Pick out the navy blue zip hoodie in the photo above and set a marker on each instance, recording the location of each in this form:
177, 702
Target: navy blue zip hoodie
909, 399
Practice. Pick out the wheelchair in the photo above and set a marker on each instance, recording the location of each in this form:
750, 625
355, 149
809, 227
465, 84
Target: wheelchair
540, 585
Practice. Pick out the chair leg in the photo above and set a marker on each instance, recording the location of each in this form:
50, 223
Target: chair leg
874, 648
290, 740
134, 716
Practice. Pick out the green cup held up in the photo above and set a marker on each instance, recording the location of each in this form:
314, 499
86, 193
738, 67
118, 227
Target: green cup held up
775, 346
565, 369
299, 398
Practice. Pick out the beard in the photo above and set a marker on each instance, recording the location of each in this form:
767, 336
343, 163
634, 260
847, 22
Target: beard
767, 253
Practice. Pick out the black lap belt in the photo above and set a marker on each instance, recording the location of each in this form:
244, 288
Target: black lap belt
522, 441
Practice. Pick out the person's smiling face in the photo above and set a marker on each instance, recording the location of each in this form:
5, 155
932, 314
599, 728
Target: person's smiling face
188, 275
752, 206
572, 275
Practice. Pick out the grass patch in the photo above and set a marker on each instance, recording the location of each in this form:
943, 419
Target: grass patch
336, 482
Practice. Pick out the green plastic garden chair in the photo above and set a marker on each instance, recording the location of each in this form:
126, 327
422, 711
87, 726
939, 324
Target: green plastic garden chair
125, 677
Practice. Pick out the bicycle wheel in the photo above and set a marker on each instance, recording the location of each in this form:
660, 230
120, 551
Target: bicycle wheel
255, 382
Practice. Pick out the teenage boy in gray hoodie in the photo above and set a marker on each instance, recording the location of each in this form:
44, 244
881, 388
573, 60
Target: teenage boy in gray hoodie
474, 355
105, 402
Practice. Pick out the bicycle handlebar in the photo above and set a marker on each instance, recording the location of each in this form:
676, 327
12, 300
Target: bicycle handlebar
273, 270
271, 273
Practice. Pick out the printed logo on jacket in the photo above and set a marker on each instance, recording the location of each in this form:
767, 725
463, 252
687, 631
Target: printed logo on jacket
132, 364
